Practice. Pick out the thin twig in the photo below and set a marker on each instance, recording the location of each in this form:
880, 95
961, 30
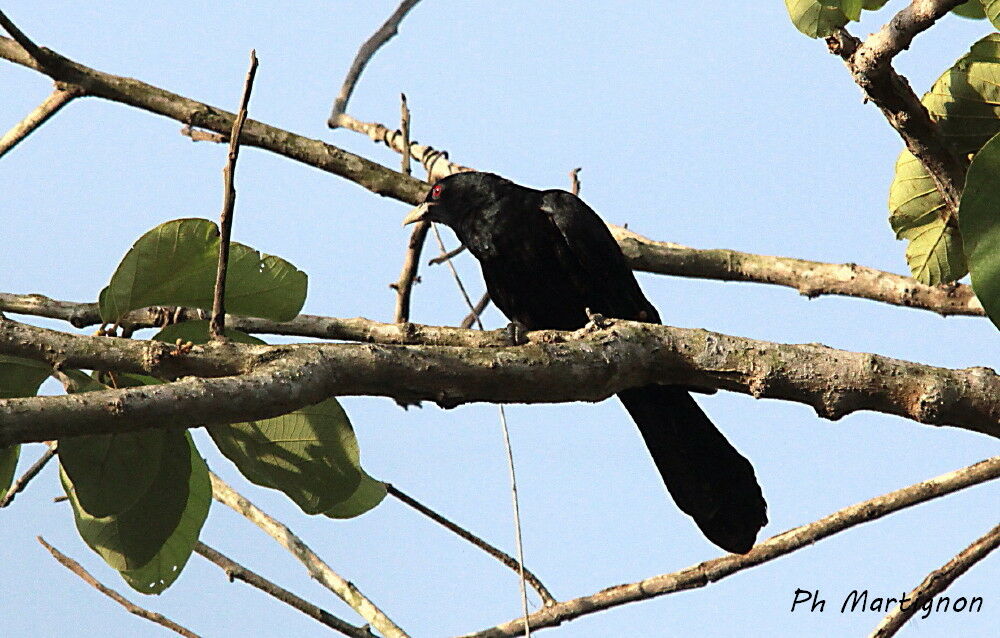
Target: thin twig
30, 473
408, 275
78, 569
217, 324
318, 569
443, 257
499, 554
574, 181
365, 53
936, 582
235, 571
794, 539
41, 113
476, 312
404, 127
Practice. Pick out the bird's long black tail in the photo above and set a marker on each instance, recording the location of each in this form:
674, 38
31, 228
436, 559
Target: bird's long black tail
708, 479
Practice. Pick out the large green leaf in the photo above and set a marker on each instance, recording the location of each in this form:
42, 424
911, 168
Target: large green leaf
979, 216
164, 568
965, 101
873, 5
310, 454
197, 332
174, 264
368, 494
18, 378
816, 19
974, 9
132, 538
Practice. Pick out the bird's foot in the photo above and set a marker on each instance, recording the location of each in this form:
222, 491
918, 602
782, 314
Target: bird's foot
596, 321
517, 333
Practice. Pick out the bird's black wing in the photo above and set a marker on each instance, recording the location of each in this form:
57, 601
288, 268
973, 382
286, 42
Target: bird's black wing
592, 257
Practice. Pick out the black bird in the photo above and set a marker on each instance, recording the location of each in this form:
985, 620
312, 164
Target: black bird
547, 259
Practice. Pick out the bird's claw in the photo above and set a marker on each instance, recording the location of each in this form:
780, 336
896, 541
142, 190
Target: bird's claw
596, 321
517, 333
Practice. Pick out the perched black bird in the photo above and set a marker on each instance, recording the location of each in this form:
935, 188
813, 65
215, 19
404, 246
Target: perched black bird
547, 258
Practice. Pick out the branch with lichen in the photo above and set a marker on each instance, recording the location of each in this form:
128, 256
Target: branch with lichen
230, 382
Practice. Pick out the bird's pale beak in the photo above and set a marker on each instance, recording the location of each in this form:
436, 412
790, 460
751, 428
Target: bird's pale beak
418, 214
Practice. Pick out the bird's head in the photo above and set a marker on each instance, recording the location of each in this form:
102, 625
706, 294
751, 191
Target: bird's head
457, 197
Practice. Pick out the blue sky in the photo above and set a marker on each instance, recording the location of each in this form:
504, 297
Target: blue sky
722, 128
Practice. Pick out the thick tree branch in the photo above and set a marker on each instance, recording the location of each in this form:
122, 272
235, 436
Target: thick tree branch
710, 571
260, 381
870, 66
938, 581
364, 55
84, 575
40, 115
235, 571
318, 569
326, 157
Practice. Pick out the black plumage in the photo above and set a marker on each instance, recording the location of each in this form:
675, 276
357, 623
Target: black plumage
547, 258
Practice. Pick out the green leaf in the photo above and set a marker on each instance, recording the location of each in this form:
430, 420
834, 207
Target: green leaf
164, 568
197, 332
873, 5
965, 101
132, 538
18, 378
979, 216
369, 493
851, 9
311, 455
815, 19
974, 9
8, 465
174, 264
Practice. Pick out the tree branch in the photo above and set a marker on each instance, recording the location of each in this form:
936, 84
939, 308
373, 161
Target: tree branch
319, 570
869, 64
938, 581
235, 571
408, 275
794, 539
365, 53
84, 575
591, 364
217, 324
326, 157
40, 115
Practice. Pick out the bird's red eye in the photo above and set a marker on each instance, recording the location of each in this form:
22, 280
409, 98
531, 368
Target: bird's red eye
436, 192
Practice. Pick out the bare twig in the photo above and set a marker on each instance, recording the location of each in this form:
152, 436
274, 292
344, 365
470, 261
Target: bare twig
365, 53
870, 65
318, 569
404, 127
78, 569
794, 539
574, 181
49, 107
500, 555
217, 324
936, 582
30, 473
235, 571
443, 257
476, 312
408, 275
